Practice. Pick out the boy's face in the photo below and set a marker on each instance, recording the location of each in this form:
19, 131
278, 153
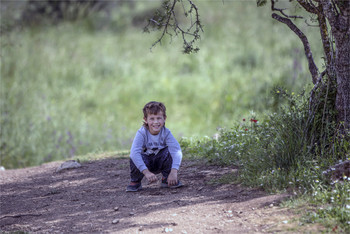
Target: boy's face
155, 122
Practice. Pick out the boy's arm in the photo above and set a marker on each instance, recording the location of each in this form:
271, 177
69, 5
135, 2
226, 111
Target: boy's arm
174, 150
176, 154
135, 152
135, 155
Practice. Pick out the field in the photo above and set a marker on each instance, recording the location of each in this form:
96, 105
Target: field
79, 87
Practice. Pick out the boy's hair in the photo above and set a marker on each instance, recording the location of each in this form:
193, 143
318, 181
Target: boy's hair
153, 108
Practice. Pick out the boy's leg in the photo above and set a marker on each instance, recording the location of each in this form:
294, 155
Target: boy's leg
162, 163
135, 174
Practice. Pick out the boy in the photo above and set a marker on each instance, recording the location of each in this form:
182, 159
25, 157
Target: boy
154, 150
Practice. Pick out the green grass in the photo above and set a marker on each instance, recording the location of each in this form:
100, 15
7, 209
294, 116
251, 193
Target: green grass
77, 88
277, 154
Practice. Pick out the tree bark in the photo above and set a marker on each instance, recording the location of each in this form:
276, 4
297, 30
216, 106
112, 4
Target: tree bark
342, 65
339, 20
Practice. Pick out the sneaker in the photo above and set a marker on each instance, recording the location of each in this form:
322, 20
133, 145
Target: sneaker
164, 184
134, 187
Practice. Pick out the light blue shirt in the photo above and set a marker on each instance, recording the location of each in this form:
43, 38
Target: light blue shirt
146, 143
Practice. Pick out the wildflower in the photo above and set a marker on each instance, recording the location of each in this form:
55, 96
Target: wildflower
317, 181
292, 93
243, 119
317, 167
253, 120
246, 129
278, 91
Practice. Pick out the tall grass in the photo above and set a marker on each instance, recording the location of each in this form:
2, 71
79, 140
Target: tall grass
77, 88
284, 152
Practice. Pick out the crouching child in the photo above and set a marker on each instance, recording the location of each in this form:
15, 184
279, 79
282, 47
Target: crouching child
154, 150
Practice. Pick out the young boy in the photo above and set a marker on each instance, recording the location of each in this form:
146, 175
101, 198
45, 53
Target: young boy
154, 150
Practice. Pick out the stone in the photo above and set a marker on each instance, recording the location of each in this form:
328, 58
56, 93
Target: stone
115, 221
71, 164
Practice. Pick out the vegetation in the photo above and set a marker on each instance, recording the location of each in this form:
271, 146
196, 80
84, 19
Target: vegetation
79, 87
275, 154
75, 88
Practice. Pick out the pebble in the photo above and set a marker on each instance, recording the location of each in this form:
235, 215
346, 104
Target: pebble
115, 221
116, 208
168, 230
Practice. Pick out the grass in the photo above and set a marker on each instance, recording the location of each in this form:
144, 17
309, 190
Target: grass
275, 154
74, 88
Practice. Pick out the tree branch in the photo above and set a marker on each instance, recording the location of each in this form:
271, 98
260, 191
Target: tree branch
312, 66
168, 21
325, 36
307, 6
273, 8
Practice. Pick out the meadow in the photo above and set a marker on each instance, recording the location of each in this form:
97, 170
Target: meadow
79, 87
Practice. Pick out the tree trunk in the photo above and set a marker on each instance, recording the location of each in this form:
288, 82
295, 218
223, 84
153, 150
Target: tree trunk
342, 65
338, 17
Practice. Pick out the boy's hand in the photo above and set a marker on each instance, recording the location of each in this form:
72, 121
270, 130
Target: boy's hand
150, 176
172, 178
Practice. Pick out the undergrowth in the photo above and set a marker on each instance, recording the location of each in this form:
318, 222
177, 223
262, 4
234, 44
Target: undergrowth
288, 151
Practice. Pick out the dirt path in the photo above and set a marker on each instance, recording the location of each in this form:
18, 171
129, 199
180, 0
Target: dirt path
90, 198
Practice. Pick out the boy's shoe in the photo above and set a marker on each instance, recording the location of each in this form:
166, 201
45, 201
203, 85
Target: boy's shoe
164, 184
134, 187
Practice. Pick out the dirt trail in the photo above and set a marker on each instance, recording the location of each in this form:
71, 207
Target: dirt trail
90, 198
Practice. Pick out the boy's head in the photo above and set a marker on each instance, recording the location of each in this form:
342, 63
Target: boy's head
152, 111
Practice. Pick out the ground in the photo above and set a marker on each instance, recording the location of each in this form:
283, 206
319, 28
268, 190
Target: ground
92, 199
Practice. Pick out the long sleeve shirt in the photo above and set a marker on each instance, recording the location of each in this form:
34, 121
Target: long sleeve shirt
146, 143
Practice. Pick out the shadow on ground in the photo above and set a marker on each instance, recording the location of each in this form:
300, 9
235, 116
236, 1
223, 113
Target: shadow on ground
90, 198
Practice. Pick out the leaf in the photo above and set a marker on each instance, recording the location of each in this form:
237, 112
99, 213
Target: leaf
260, 3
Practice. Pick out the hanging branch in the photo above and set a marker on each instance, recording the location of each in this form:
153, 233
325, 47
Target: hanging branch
168, 21
312, 66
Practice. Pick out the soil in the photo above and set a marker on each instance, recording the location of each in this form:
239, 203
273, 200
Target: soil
92, 199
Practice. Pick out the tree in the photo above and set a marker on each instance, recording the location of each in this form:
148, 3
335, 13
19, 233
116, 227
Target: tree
333, 20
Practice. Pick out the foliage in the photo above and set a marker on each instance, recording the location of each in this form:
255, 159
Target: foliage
284, 152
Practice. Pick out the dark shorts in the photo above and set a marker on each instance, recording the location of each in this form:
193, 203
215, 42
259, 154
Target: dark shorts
159, 163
